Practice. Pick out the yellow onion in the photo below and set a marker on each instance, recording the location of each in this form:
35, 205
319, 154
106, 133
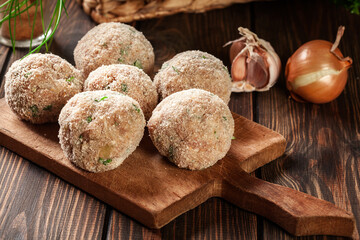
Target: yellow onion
317, 71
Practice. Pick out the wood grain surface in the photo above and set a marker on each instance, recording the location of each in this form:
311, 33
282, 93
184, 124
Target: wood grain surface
321, 158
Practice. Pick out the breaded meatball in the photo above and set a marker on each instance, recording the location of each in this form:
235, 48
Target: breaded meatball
100, 129
193, 69
111, 43
192, 128
38, 86
128, 80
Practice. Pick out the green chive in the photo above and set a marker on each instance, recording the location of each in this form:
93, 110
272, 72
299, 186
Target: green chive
171, 152
26, 75
70, 79
101, 99
224, 118
176, 70
34, 109
124, 87
204, 57
105, 161
48, 108
137, 63
89, 119
136, 108
233, 137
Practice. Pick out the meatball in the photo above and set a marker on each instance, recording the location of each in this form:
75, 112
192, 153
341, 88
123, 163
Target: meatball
193, 69
111, 43
38, 86
100, 129
128, 80
192, 128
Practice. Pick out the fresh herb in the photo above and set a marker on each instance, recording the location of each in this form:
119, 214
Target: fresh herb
137, 63
204, 57
89, 119
233, 137
101, 99
123, 51
12, 9
105, 161
136, 108
70, 79
171, 152
26, 75
35, 110
214, 132
352, 5
124, 87
224, 118
165, 65
175, 69
120, 60
48, 108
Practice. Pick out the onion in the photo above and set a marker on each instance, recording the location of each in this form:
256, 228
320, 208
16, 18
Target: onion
317, 71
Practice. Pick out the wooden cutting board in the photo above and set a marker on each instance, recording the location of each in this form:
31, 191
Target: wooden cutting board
150, 189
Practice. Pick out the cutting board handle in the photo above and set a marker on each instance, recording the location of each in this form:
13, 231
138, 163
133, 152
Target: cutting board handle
298, 213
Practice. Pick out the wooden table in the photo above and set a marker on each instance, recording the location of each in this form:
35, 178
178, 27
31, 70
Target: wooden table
323, 141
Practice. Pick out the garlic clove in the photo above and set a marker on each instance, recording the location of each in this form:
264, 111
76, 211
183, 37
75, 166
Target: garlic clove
256, 66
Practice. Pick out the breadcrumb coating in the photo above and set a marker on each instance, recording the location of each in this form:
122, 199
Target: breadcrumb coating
112, 43
192, 128
193, 69
128, 80
38, 86
100, 129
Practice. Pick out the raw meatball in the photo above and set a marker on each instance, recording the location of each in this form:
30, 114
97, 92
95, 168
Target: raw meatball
192, 128
193, 69
111, 43
99, 129
128, 80
38, 86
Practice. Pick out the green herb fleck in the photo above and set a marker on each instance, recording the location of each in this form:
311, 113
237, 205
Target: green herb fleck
89, 119
123, 51
35, 110
175, 69
136, 108
233, 137
70, 79
225, 118
26, 75
214, 132
171, 152
101, 99
105, 161
124, 87
137, 63
81, 137
48, 108
204, 57
120, 60
104, 45
165, 65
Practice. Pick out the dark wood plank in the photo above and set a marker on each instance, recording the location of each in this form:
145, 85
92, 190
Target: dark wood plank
322, 139
37, 205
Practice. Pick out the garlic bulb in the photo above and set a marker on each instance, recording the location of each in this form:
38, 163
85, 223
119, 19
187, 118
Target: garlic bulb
255, 64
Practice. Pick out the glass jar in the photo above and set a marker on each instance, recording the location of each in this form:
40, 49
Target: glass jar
27, 25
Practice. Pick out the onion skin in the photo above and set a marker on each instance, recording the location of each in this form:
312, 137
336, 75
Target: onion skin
327, 69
